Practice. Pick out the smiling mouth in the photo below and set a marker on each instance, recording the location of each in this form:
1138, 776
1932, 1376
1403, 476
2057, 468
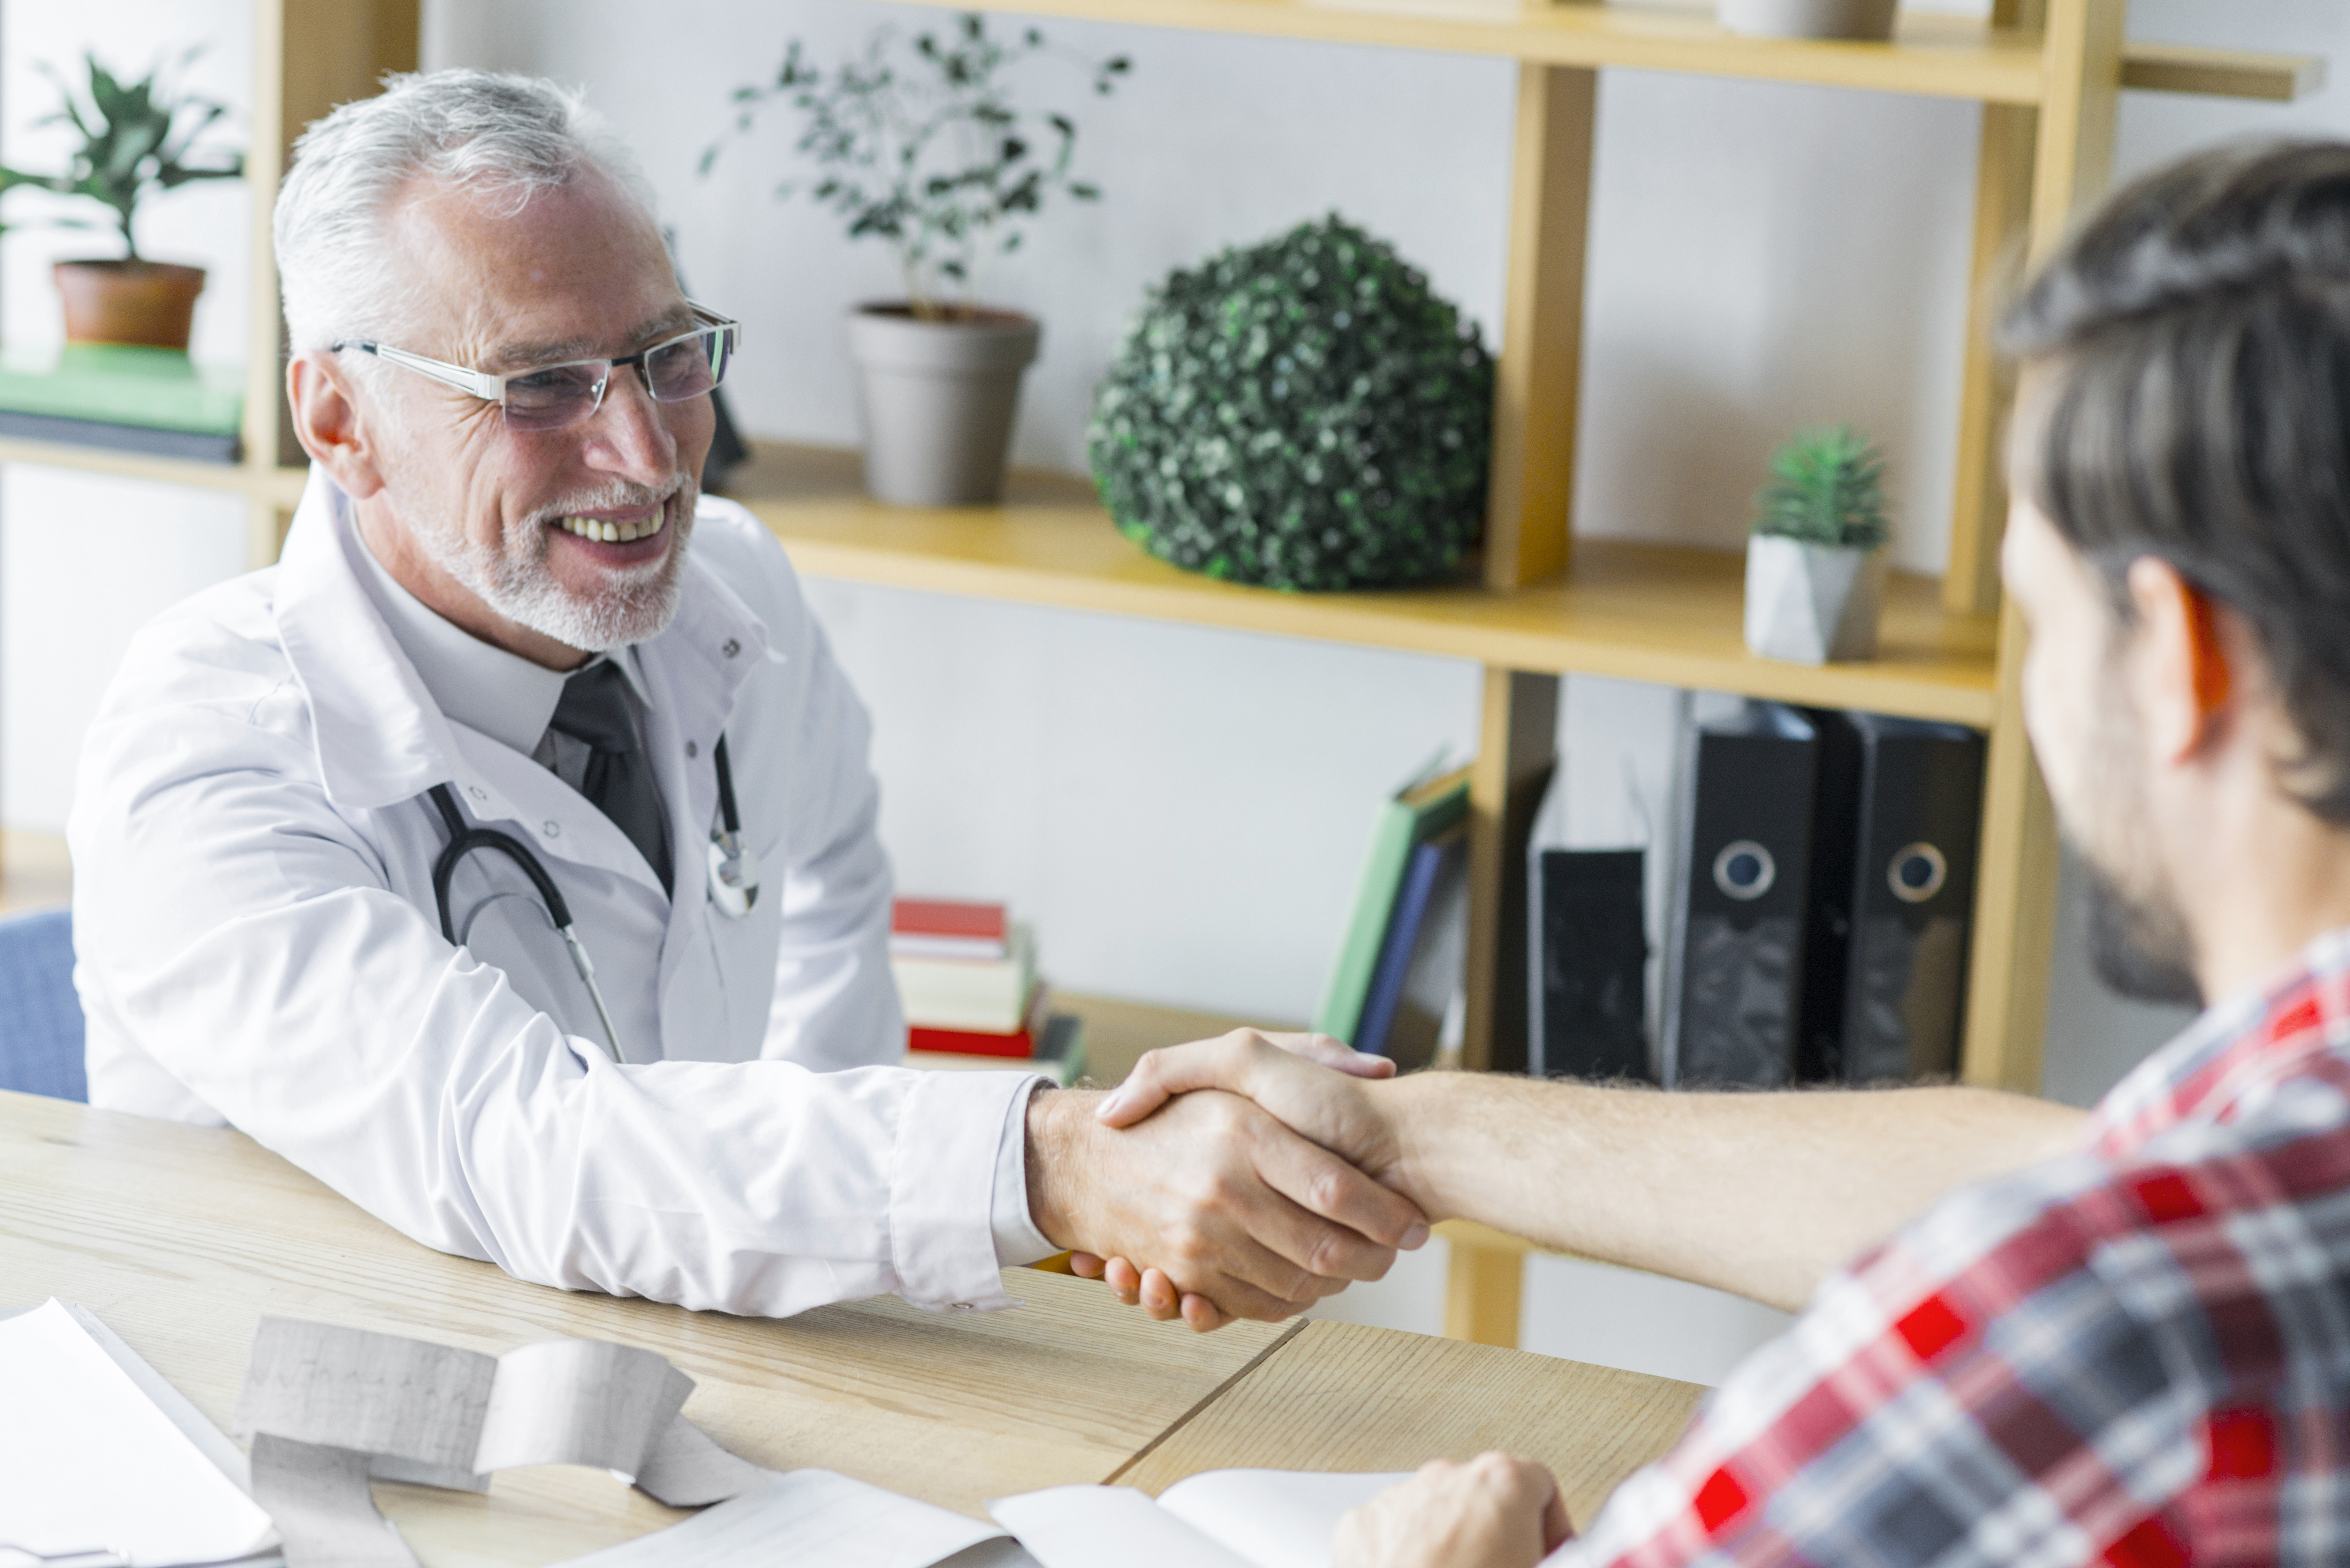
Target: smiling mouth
610, 531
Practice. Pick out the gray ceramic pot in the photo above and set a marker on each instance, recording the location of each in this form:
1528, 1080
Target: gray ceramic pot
939, 397
1811, 603
1807, 18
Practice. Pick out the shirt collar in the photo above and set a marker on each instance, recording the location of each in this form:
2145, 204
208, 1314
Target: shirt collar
381, 735
504, 695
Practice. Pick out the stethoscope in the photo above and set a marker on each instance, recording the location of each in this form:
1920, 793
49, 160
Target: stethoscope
733, 877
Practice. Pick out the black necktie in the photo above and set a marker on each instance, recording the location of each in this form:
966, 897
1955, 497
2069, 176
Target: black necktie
619, 779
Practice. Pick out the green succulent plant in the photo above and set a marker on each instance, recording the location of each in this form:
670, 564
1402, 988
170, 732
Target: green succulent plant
1827, 487
1304, 414
920, 145
136, 140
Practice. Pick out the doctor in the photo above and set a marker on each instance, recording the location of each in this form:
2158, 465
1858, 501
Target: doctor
513, 673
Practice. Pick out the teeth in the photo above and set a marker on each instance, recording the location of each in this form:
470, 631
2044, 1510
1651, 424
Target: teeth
615, 533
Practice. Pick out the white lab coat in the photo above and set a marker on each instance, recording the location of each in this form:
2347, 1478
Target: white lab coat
257, 944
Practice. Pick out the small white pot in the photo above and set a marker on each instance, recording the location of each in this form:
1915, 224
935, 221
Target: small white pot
938, 399
1811, 603
1871, 19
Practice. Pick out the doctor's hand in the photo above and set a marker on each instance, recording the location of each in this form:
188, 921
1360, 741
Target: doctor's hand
1237, 1212
1310, 1082
1495, 1511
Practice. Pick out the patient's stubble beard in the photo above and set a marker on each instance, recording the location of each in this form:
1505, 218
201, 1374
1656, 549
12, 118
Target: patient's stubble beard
2139, 944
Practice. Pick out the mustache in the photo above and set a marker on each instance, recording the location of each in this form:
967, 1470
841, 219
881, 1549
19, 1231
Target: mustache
618, 496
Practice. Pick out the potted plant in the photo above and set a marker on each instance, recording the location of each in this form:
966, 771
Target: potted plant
1815, 559
1305, 414
920, 145
1871, 19
136, 139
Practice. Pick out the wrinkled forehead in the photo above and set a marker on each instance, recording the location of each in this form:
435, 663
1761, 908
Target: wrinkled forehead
502, 280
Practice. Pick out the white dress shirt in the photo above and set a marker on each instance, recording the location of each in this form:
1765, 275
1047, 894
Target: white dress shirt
259, 943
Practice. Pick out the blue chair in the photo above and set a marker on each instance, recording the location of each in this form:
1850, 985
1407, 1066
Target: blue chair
40, 1015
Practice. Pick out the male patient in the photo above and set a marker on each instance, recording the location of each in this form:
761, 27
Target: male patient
290, 912
2135, 1350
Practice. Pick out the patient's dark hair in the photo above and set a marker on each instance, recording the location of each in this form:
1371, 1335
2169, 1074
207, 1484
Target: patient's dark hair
2197, 337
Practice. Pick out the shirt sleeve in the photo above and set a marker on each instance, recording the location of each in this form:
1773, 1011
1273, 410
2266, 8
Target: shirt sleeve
1973, 1392
1017, 1240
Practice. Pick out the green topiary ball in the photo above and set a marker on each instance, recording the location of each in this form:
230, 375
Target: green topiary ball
1300, 414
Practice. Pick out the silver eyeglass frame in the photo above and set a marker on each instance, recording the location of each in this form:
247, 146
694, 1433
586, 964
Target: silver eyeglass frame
491, 389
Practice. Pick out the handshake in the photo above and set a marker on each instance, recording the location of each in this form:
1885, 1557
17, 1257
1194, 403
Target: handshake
1245, 1177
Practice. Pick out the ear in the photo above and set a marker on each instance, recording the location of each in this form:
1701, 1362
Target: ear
2185, 661
327, 423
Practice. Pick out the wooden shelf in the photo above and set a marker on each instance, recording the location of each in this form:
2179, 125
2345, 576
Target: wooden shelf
282, 486
1931, 55
1639, 612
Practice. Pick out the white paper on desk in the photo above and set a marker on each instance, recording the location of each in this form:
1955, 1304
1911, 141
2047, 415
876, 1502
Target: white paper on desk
87, 1458
1106, 1527
1276, 1518
806, 1516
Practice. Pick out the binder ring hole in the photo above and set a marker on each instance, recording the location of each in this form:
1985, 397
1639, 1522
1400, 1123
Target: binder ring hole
1917, 873
1744, 869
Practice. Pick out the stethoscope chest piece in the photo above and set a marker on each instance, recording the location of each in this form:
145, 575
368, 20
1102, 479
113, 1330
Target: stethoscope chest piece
733, 876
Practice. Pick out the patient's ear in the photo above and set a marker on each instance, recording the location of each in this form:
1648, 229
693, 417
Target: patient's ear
2186, 654
327, 423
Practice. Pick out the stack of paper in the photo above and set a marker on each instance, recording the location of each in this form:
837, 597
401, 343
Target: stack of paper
100, 1456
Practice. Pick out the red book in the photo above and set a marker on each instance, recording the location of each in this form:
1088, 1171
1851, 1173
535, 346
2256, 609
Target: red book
966, 1043
1020, 1042
949, 929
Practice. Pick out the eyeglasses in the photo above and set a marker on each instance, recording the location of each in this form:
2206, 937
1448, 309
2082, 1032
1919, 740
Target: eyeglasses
555, 396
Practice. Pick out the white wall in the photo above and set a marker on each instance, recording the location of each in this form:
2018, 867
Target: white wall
1180, 810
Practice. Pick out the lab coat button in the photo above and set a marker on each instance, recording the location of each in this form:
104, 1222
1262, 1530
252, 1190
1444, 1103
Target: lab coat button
731, 648
692, 750
554, 828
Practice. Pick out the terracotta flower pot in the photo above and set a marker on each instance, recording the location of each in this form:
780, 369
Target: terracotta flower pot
142, 302
938, 399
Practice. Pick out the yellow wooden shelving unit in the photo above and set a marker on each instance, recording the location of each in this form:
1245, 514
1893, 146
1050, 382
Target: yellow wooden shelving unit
2048, 73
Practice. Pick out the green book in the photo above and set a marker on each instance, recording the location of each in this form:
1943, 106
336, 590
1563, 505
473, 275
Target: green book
1419, 812
116, 384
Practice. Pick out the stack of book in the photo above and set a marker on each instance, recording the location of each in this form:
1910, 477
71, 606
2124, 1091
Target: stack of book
1396, 987
967, 977
126, 398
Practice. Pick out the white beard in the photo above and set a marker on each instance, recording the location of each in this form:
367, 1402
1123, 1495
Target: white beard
635, 604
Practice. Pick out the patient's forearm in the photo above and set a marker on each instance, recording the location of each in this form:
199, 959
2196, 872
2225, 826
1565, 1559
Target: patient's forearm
1762, 1194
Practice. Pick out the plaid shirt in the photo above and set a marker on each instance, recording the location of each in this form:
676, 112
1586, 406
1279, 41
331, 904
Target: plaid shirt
2137, 1354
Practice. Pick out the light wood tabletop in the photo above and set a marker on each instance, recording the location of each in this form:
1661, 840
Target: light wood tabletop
1342, 1397
181, 1238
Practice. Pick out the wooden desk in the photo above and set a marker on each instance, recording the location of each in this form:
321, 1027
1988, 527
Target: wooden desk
1341, 1397
182, 1237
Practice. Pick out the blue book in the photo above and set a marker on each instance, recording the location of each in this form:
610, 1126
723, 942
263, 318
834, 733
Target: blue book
1387, 977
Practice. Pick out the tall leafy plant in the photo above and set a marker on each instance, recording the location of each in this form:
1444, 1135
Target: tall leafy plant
918, 143
136, 139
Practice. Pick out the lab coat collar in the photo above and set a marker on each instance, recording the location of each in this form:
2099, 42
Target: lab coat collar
380, 737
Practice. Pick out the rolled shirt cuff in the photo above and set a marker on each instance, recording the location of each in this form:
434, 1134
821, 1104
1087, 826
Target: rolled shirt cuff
1017, 1240
949, 1188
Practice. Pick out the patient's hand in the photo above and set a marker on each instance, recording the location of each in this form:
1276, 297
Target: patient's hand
1311, 1082
1495, 1511
1237, 1211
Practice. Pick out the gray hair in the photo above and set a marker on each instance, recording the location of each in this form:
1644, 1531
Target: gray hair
503, 137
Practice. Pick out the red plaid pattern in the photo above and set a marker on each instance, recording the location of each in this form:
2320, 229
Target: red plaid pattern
2137, 1355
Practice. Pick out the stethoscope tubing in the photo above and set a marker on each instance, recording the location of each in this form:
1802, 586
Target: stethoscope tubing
464, 840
